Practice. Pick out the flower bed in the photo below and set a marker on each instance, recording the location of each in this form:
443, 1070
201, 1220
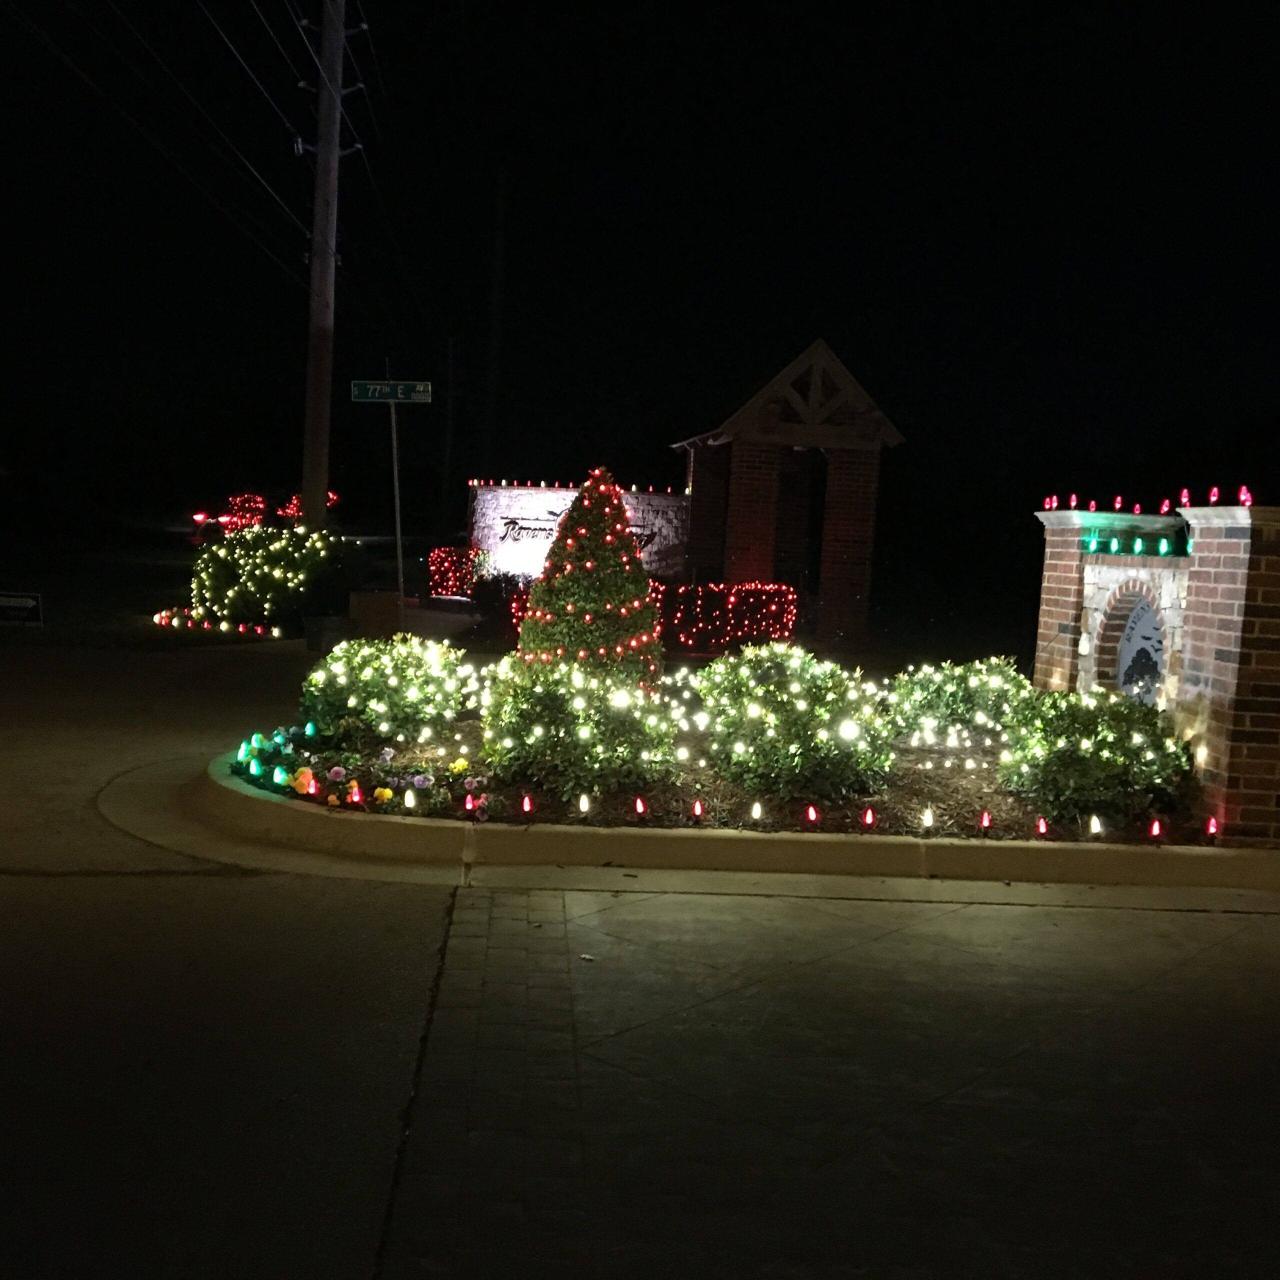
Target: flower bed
771, 739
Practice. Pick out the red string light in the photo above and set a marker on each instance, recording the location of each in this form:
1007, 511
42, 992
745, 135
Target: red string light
710, 618
641, 807
697, 811
526, 804
1156, 829
1042, 827
469, 802
869, 817
452, 570
984, 821
811, 813
1212, 826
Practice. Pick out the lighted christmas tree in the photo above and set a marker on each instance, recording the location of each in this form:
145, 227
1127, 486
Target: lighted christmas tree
591, 603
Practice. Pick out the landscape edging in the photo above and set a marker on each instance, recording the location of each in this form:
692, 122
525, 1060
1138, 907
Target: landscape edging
231, 803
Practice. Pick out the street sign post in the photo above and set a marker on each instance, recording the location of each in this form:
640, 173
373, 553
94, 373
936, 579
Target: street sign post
388, 392
392, 393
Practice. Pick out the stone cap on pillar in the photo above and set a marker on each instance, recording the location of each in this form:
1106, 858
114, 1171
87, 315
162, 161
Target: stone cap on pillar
1218, 517
1124, 520
814, 403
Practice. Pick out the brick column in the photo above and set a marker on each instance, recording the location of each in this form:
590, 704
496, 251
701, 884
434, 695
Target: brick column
1229, 698
708, 504
1061, 600
752, 514
848, 531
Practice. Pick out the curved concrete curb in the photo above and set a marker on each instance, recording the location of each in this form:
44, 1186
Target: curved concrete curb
246, 812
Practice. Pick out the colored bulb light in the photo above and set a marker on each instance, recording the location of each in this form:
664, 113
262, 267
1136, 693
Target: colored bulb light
526, 804
984, 821
811, 813
697, 810
641, 807
1212, 827
469, 802
1214, 496
869, 817
1042, 827
1156, 829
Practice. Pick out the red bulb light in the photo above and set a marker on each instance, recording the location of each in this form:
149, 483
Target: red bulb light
1165, 506
1073, 501
355, 795
200, 517
1156, 829
1119, 502
868, 818
1093, 506
1137, 508
526, 804
1245, 498
1184, 498
697, 810
641, 808
811, 813
1042, 826
1211, 828
469, 803
984, 820
1213, 496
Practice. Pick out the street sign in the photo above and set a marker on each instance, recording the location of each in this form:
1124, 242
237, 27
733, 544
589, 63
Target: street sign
21, 609
390, 392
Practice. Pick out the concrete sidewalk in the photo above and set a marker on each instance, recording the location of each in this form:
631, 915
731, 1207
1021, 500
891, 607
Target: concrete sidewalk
211, 1072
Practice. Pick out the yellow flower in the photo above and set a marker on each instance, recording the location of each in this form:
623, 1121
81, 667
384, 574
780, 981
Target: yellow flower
301, 781
382, 794
332, 801
459, 766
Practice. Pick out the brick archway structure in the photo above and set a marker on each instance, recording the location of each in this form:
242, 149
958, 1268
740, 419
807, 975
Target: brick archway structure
1115, 617
1214, 583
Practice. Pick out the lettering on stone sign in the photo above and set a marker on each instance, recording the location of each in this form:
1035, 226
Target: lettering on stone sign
517, 530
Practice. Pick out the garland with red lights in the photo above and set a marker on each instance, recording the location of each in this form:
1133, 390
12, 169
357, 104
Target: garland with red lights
249, 509
1052, 502
713, 617
292, 510
592, 601
452, 570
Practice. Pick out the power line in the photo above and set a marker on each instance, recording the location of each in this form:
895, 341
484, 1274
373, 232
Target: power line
164, 66
248, 70
368, 100
297, 75
373, 51
41, 36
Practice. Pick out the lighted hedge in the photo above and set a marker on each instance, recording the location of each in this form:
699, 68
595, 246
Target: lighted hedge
574, 729
779, 720
404, 689
268, 576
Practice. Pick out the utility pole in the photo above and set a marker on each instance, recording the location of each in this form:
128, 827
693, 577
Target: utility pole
324, 233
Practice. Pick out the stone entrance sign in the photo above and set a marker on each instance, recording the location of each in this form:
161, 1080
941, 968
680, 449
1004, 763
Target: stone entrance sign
516, 525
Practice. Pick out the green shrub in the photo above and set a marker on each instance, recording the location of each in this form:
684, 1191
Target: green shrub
574, 729
1081, 754
989, 692
779, 720
404, 689
273, 576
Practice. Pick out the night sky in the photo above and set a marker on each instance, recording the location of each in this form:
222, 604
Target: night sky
1044, 241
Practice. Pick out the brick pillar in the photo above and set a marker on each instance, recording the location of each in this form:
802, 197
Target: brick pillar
708, 505
752, 514
1061, 600
848, 531
1229, 696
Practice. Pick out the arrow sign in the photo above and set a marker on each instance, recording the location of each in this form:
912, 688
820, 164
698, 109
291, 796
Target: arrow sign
391, 392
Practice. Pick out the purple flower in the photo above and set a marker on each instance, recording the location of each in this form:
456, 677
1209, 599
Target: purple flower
387, 753
422, 780
337, 773
469, 783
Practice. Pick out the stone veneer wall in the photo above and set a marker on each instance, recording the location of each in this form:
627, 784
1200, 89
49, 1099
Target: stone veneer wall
1220, 610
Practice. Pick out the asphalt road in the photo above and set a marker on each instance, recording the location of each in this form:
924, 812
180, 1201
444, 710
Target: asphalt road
207, 1072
